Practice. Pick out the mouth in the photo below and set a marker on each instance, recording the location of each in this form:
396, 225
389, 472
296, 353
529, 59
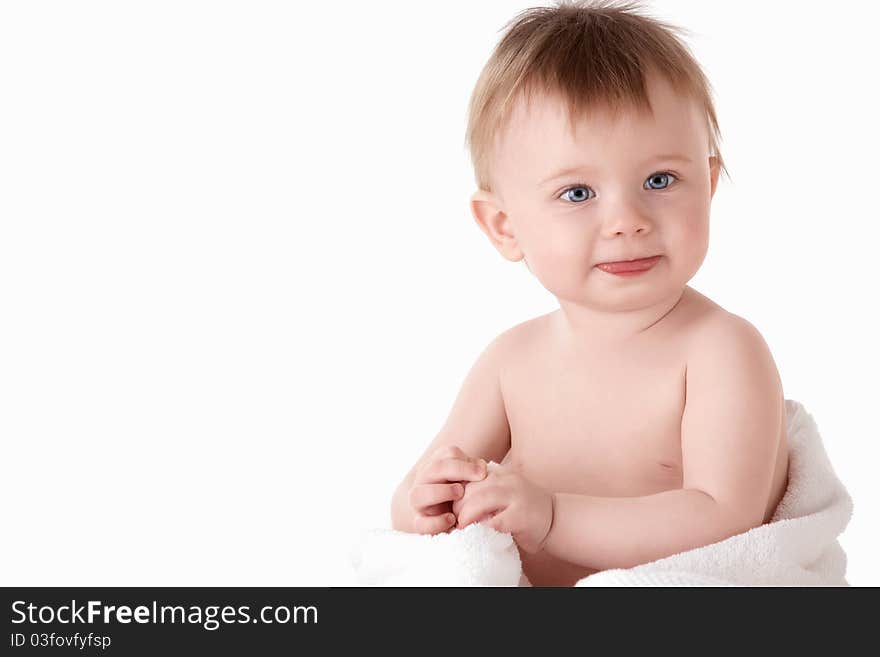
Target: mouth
629, 266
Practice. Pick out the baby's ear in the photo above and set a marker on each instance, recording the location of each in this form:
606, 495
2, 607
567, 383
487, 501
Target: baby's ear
714, 170
494, 222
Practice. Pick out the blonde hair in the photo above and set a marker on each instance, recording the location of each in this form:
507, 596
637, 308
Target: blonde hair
591, 54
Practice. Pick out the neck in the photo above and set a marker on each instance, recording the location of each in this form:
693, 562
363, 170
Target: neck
589, 325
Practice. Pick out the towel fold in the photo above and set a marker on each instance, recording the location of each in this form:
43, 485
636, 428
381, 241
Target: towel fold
798, 547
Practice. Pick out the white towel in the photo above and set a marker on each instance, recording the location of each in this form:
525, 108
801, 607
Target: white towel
798, 547
474, 556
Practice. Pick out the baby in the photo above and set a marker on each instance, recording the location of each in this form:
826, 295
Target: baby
639, 419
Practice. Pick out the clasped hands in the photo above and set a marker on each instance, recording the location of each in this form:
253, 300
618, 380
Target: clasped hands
508, 501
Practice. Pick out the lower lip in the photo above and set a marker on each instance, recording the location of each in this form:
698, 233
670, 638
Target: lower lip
630, 268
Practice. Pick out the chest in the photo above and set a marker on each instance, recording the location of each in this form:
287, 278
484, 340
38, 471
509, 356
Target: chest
597, 424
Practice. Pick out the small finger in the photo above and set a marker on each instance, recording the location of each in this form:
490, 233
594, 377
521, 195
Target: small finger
478, 506
498, 522
424, 495
436, 509
433, 524
455, 470
449, 451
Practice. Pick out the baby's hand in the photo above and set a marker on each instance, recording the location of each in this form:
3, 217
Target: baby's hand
438, 483
512, 504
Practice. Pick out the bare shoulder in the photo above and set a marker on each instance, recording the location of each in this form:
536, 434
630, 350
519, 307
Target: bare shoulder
706, 324
722, 339
512, 341
697, 312
721, 327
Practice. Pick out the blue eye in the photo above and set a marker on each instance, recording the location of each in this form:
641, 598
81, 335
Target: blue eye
576, 187
660, 178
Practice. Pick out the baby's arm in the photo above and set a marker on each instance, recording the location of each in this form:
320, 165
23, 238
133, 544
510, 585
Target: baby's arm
729, 435
477, 424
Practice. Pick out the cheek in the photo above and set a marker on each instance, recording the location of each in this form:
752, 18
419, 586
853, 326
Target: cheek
697, 227
692, 219
561, 253
689, 234
694, 228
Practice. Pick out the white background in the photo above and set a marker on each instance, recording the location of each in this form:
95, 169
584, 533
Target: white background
240, 284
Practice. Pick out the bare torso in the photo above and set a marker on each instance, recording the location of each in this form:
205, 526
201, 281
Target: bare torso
600, 422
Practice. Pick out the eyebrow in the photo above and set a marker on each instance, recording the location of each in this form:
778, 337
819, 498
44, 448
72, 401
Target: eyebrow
575, 169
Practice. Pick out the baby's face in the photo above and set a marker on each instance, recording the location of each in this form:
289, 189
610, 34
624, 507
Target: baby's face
635, 188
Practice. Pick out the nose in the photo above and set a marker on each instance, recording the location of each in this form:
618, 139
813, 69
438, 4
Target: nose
625, 220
